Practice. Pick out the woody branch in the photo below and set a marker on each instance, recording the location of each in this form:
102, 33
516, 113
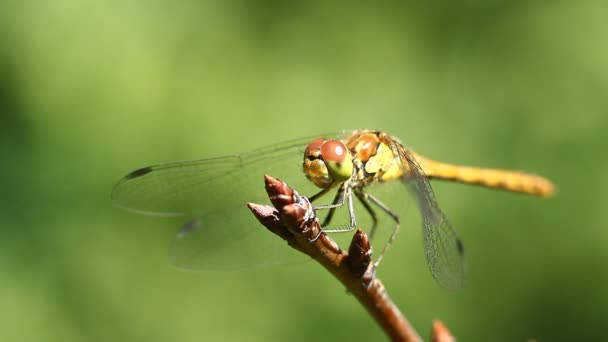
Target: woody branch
293, 219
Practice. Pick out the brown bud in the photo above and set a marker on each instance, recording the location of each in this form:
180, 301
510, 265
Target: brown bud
269, 218
359, 253
279, 193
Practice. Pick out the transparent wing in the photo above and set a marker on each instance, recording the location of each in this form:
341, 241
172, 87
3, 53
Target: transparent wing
191, 187
219, 231
444, 249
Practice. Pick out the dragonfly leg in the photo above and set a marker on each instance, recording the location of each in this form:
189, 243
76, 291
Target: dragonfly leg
338, 199
361, 196
394, 216
348, 197
318, 195
337, 202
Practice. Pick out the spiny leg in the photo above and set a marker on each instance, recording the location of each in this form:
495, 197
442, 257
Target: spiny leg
361, 196
347, 194
318, 195
342, 194
394, 216
331, 212
337, 202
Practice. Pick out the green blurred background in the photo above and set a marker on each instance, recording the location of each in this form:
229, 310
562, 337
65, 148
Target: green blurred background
90, 90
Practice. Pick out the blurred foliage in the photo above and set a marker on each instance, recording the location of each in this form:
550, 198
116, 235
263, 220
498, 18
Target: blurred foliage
90, 90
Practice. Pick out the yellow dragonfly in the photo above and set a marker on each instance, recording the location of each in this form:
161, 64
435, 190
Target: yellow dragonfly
221, 233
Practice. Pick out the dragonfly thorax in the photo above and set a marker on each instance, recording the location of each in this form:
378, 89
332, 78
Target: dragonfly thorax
327, 163
374, 159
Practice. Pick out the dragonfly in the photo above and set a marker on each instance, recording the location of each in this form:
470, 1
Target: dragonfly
220, 233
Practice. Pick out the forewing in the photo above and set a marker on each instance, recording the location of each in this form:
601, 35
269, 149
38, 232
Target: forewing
176, 189
192, 187
219, 231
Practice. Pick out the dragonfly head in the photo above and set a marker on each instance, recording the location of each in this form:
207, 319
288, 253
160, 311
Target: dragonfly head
327, 162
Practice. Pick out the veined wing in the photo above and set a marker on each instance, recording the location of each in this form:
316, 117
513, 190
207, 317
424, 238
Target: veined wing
187, 188
219, 231
443, 248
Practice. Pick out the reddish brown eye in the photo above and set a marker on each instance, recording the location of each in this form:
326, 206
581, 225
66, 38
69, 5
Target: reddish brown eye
314, 145
334, 151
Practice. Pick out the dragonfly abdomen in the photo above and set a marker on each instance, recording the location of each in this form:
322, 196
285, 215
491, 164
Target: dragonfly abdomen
492, 178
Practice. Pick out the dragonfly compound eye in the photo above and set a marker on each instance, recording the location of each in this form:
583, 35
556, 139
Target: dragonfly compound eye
327, 162
337, 159
314, 166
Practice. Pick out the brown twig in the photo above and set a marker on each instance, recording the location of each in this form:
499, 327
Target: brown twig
293, 219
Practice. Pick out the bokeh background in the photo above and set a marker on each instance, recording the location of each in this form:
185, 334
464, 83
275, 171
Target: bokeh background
90, 90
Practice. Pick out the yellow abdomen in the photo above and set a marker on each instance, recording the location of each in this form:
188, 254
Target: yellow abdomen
493, 178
